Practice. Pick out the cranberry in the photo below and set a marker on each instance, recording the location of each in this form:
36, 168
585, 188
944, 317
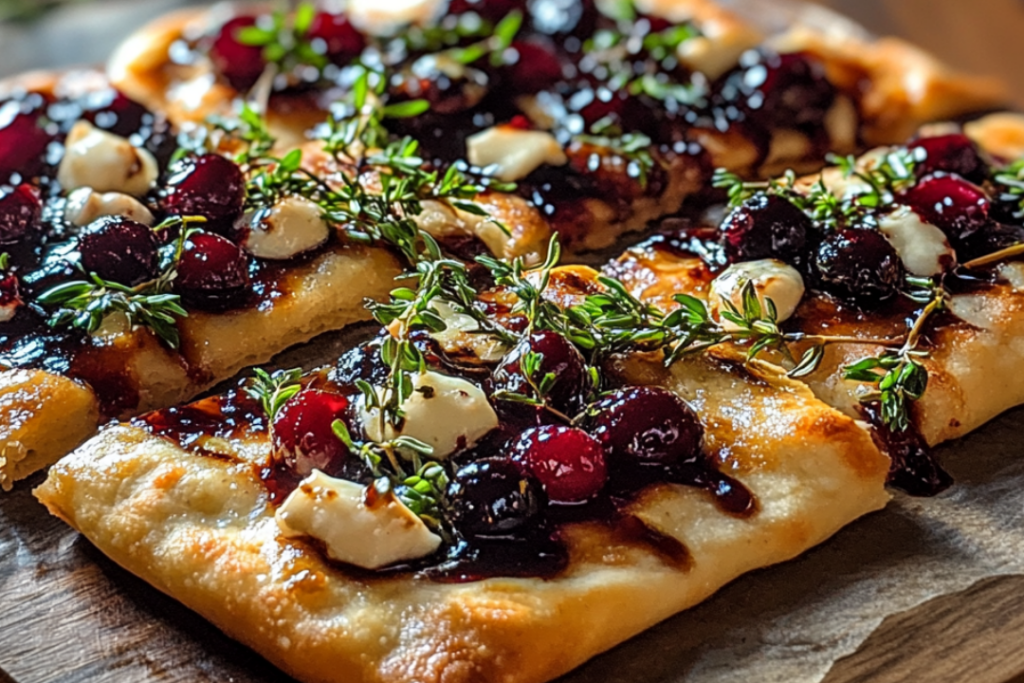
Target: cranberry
618, 107
23, 141
241, 65
765, 226
778, 91
20, 210
563, 17
994, 237
558, 357
341, 41
490, 10
119, 249
210, 186
447, 90
859, 265
10, 291
643, 427
954, 153
536, 66
955, 206
567, 462
213, 272
303, 436
492, 497
112, 110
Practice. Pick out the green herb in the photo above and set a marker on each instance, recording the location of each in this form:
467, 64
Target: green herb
540, 385
529, 286
898, 374
5, 261
284, 38
1009, 186
274, 390
83, 304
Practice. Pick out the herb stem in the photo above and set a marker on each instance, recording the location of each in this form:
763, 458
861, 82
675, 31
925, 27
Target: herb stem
996, 257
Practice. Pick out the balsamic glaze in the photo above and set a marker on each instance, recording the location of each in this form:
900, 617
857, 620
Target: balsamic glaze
915, 466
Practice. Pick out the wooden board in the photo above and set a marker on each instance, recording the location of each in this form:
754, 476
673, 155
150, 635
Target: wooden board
73, 616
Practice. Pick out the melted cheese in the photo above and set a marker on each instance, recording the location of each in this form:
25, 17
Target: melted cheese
289, 228
772, 279
355, 524
461, 335
445, 412
514, 153
85, 205
105, 162
922, 247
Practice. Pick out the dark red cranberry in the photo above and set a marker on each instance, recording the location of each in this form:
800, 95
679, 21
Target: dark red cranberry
342, 42
23, 141
112, 110
10, 291
536, 66
618, 107
493, 498
955, 206
859, 265
777, 91
992, 238
567, 462
20, 210
558, 357
213, 272
954, 153
765, 226
643, 427
119, 249
490, 10
448, 91
210, 186
303, 436
241, 65
563, 17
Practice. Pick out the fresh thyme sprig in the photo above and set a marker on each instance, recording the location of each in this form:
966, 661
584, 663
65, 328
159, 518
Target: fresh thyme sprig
529, 286
1009, 186
540, 385
898, 375
84, 304
422, 488
274, 390
284, 37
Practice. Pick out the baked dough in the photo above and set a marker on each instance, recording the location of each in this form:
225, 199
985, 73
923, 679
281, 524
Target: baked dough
974, 364
201, 530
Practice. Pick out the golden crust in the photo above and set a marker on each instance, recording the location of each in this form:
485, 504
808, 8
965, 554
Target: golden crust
201, 530
324, 294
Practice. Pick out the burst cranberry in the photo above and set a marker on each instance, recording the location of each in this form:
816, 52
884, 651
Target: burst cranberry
493, 498
859, 266
119, 249
20, 210
341, 41
955, 206
536, 66
240, 64
955, 153
643, 427
209, 186
23, 141
765, 226
567, 462
303, 436
491, 10
558, 357
213, 272
777, 91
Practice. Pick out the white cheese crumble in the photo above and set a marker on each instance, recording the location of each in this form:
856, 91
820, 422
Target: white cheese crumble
772, 279
922, 247
445, 412
512, 152
85, 205
355, 523
292, 226
105, 162
461, 335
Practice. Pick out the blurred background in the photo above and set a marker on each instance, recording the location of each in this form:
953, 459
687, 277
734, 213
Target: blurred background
984, 36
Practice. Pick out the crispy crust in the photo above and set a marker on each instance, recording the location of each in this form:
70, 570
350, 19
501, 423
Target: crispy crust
325, 294
201, 530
